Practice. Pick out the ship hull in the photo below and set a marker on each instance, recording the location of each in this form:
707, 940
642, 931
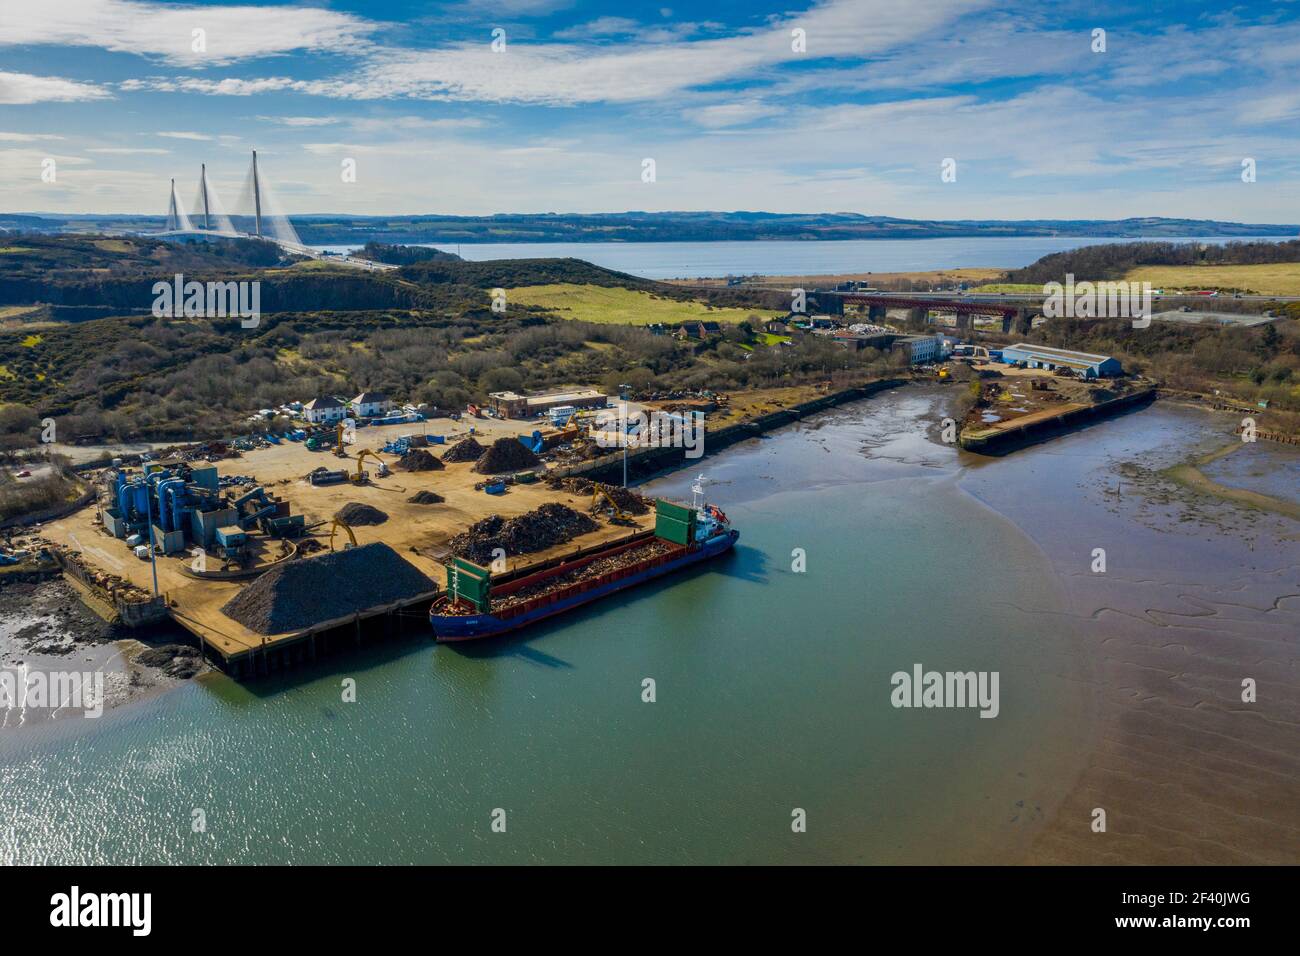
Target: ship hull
472, 627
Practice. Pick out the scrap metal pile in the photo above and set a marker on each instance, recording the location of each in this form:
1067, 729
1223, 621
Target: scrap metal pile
506, 454
467, 449
627, 499
549, 525
417, 459
652, 548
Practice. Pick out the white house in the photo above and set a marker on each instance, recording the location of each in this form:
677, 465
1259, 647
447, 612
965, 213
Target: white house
371, 404
324, 410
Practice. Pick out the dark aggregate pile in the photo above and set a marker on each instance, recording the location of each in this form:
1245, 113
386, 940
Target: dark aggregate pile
549, 525
417, 459
506, 454
357, 514
425, 498
467, 449
310, 591
176, 660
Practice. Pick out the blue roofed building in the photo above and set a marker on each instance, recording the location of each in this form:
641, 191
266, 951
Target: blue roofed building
1046, 357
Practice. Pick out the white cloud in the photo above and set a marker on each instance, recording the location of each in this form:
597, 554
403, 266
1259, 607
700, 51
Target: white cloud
24, 88
560, 74
26, 137
128, 151
721, 115
300, 121
232, 86
184, 135
167, 30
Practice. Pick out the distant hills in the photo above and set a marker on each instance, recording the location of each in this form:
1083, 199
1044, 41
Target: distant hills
325, 229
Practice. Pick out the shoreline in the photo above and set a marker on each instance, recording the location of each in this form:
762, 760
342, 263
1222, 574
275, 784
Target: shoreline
47, 628
1171, 628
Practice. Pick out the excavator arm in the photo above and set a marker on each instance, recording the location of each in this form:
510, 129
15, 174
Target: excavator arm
340, 523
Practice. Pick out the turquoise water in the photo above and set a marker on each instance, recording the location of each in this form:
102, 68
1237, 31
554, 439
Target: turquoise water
772, 694
687, 260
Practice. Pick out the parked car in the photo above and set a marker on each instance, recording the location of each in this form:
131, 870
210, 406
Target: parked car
24, 473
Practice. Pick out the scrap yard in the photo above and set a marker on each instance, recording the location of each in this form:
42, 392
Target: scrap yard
271, 556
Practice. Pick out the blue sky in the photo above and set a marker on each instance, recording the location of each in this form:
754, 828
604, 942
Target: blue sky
735, 117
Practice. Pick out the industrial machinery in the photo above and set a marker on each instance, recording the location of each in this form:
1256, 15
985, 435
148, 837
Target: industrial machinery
178, 507
338, 441
617, 514
340, 523
360, 477
231, 544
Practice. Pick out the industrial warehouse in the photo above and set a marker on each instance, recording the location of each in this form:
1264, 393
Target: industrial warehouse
1045, 357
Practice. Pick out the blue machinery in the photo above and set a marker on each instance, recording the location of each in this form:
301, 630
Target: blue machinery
179, 507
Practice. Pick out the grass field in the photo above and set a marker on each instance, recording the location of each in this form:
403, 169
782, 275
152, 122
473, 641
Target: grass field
1273, 278
1010, 288
591, 303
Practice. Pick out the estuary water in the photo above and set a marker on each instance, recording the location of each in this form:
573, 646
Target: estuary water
865, 549
692, 260
772, 695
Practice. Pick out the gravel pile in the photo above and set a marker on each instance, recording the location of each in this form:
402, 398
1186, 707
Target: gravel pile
417, 459
311, 591
425, 498
506, 454
357, 514
467, 449
549, 525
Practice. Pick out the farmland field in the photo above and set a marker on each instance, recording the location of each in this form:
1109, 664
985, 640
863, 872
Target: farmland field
1272, 278
591, 303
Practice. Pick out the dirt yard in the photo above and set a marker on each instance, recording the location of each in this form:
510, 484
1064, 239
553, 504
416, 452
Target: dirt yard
417, 531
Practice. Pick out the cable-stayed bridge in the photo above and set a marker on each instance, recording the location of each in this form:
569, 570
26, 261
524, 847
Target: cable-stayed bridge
258, 213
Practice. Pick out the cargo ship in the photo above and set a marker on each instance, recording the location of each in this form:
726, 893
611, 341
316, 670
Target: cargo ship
476, 605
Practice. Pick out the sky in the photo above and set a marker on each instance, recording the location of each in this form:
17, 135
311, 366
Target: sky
1047, 110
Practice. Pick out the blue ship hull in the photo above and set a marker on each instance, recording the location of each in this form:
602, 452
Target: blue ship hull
469, 627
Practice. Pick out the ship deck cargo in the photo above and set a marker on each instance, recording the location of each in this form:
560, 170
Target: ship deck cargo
477, 606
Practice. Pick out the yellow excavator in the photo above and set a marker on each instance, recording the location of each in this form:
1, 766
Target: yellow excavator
352, 538
360, 476
339, 451
618, 515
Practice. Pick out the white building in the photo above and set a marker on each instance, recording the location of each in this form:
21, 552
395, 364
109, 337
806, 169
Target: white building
326, 409
371, 405
922, 349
